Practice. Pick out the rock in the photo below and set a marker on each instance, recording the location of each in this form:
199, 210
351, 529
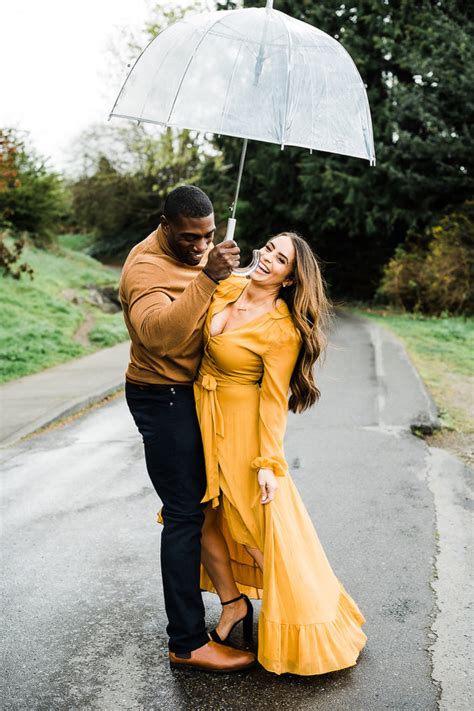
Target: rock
104, 297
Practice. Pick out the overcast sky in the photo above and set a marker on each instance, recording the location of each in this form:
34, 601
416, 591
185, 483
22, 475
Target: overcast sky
53, 64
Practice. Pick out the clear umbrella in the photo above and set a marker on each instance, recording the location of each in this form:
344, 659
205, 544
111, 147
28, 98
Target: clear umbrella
255, 73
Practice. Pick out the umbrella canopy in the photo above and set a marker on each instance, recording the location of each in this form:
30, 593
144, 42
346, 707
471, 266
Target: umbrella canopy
254, 73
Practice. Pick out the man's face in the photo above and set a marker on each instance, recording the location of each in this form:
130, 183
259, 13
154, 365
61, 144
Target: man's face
189, 237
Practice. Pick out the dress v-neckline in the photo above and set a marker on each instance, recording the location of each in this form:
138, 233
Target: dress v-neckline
239, 328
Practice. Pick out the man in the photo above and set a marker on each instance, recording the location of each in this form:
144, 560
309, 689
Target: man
166, 287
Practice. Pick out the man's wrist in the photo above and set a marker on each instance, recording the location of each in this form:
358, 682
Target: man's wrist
216, 281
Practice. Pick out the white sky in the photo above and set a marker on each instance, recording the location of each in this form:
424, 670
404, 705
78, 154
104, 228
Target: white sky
53, 64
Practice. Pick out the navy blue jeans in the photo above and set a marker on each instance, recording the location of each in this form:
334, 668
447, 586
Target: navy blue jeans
166, 418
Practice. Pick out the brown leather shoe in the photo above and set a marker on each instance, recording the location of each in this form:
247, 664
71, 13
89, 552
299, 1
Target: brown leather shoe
213, 657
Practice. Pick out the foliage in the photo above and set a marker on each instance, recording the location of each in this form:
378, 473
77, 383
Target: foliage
10, 257
77, 242
121, 193
127, 170
39, 318
9, 180
9, 254
32, 198
127, 44
416, 57
437, 275
163, 14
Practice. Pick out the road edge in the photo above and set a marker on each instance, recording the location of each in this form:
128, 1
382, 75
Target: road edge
448, 480
61, 412
393, 365
74, 385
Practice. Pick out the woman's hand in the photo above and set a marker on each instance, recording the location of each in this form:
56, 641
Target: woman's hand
268, 485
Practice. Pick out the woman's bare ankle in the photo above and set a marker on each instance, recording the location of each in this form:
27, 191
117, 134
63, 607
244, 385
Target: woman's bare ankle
232, 613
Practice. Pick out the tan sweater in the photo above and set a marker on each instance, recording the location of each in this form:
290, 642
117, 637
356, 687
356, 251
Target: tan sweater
164, 304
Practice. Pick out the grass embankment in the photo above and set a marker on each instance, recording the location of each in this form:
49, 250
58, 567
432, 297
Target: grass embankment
51, 319
442, 350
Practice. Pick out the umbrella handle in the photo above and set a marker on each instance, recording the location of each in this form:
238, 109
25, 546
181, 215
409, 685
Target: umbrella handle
242, 271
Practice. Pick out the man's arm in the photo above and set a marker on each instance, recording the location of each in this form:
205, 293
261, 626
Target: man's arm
163, 325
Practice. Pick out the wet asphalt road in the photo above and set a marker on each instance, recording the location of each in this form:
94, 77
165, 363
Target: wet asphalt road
83, 608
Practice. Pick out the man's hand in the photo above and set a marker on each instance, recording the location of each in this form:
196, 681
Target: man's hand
222, 259
268, 485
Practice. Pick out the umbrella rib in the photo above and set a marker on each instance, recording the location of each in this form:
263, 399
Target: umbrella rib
187, 67
287, 91
132, 69
367, 131
327, 101
312, 96
145, 100
230, 84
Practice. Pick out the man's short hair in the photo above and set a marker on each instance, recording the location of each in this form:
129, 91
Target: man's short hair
187, 201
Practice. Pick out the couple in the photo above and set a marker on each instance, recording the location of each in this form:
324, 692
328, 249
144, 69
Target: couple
213, 360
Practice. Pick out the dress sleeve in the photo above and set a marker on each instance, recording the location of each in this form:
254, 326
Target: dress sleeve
278, 363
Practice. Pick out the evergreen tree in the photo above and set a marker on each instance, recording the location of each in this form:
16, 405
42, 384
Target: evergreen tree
416, 59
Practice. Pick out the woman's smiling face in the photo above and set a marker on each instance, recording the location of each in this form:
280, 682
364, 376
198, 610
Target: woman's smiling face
277, 260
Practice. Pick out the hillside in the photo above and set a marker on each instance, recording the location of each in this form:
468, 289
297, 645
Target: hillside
67, 310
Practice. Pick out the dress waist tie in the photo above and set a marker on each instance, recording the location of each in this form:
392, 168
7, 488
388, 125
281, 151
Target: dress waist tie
212, 427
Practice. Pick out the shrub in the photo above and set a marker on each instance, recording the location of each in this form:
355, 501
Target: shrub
127, 174
32, 198
10, 254
435, 275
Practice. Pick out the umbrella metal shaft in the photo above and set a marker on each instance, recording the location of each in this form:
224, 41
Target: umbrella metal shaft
231, 222
239, 177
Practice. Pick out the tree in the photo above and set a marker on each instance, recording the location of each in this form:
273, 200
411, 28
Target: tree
416, 59
9, 254
32, 202
128, 172
32, 198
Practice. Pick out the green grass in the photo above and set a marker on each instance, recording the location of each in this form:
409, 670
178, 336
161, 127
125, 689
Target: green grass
38, 321
76, 242
448, 339
109, 330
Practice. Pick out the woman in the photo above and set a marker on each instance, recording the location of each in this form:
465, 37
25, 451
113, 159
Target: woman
262, 338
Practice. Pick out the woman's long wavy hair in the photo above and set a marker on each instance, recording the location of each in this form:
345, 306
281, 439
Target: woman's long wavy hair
312, 314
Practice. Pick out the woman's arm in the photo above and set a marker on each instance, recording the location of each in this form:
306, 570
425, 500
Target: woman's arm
278, 363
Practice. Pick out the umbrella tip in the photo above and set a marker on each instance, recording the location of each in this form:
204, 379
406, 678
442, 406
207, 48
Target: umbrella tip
269, 5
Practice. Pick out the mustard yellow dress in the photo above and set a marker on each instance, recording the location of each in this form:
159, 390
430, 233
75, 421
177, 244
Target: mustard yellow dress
308, 623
